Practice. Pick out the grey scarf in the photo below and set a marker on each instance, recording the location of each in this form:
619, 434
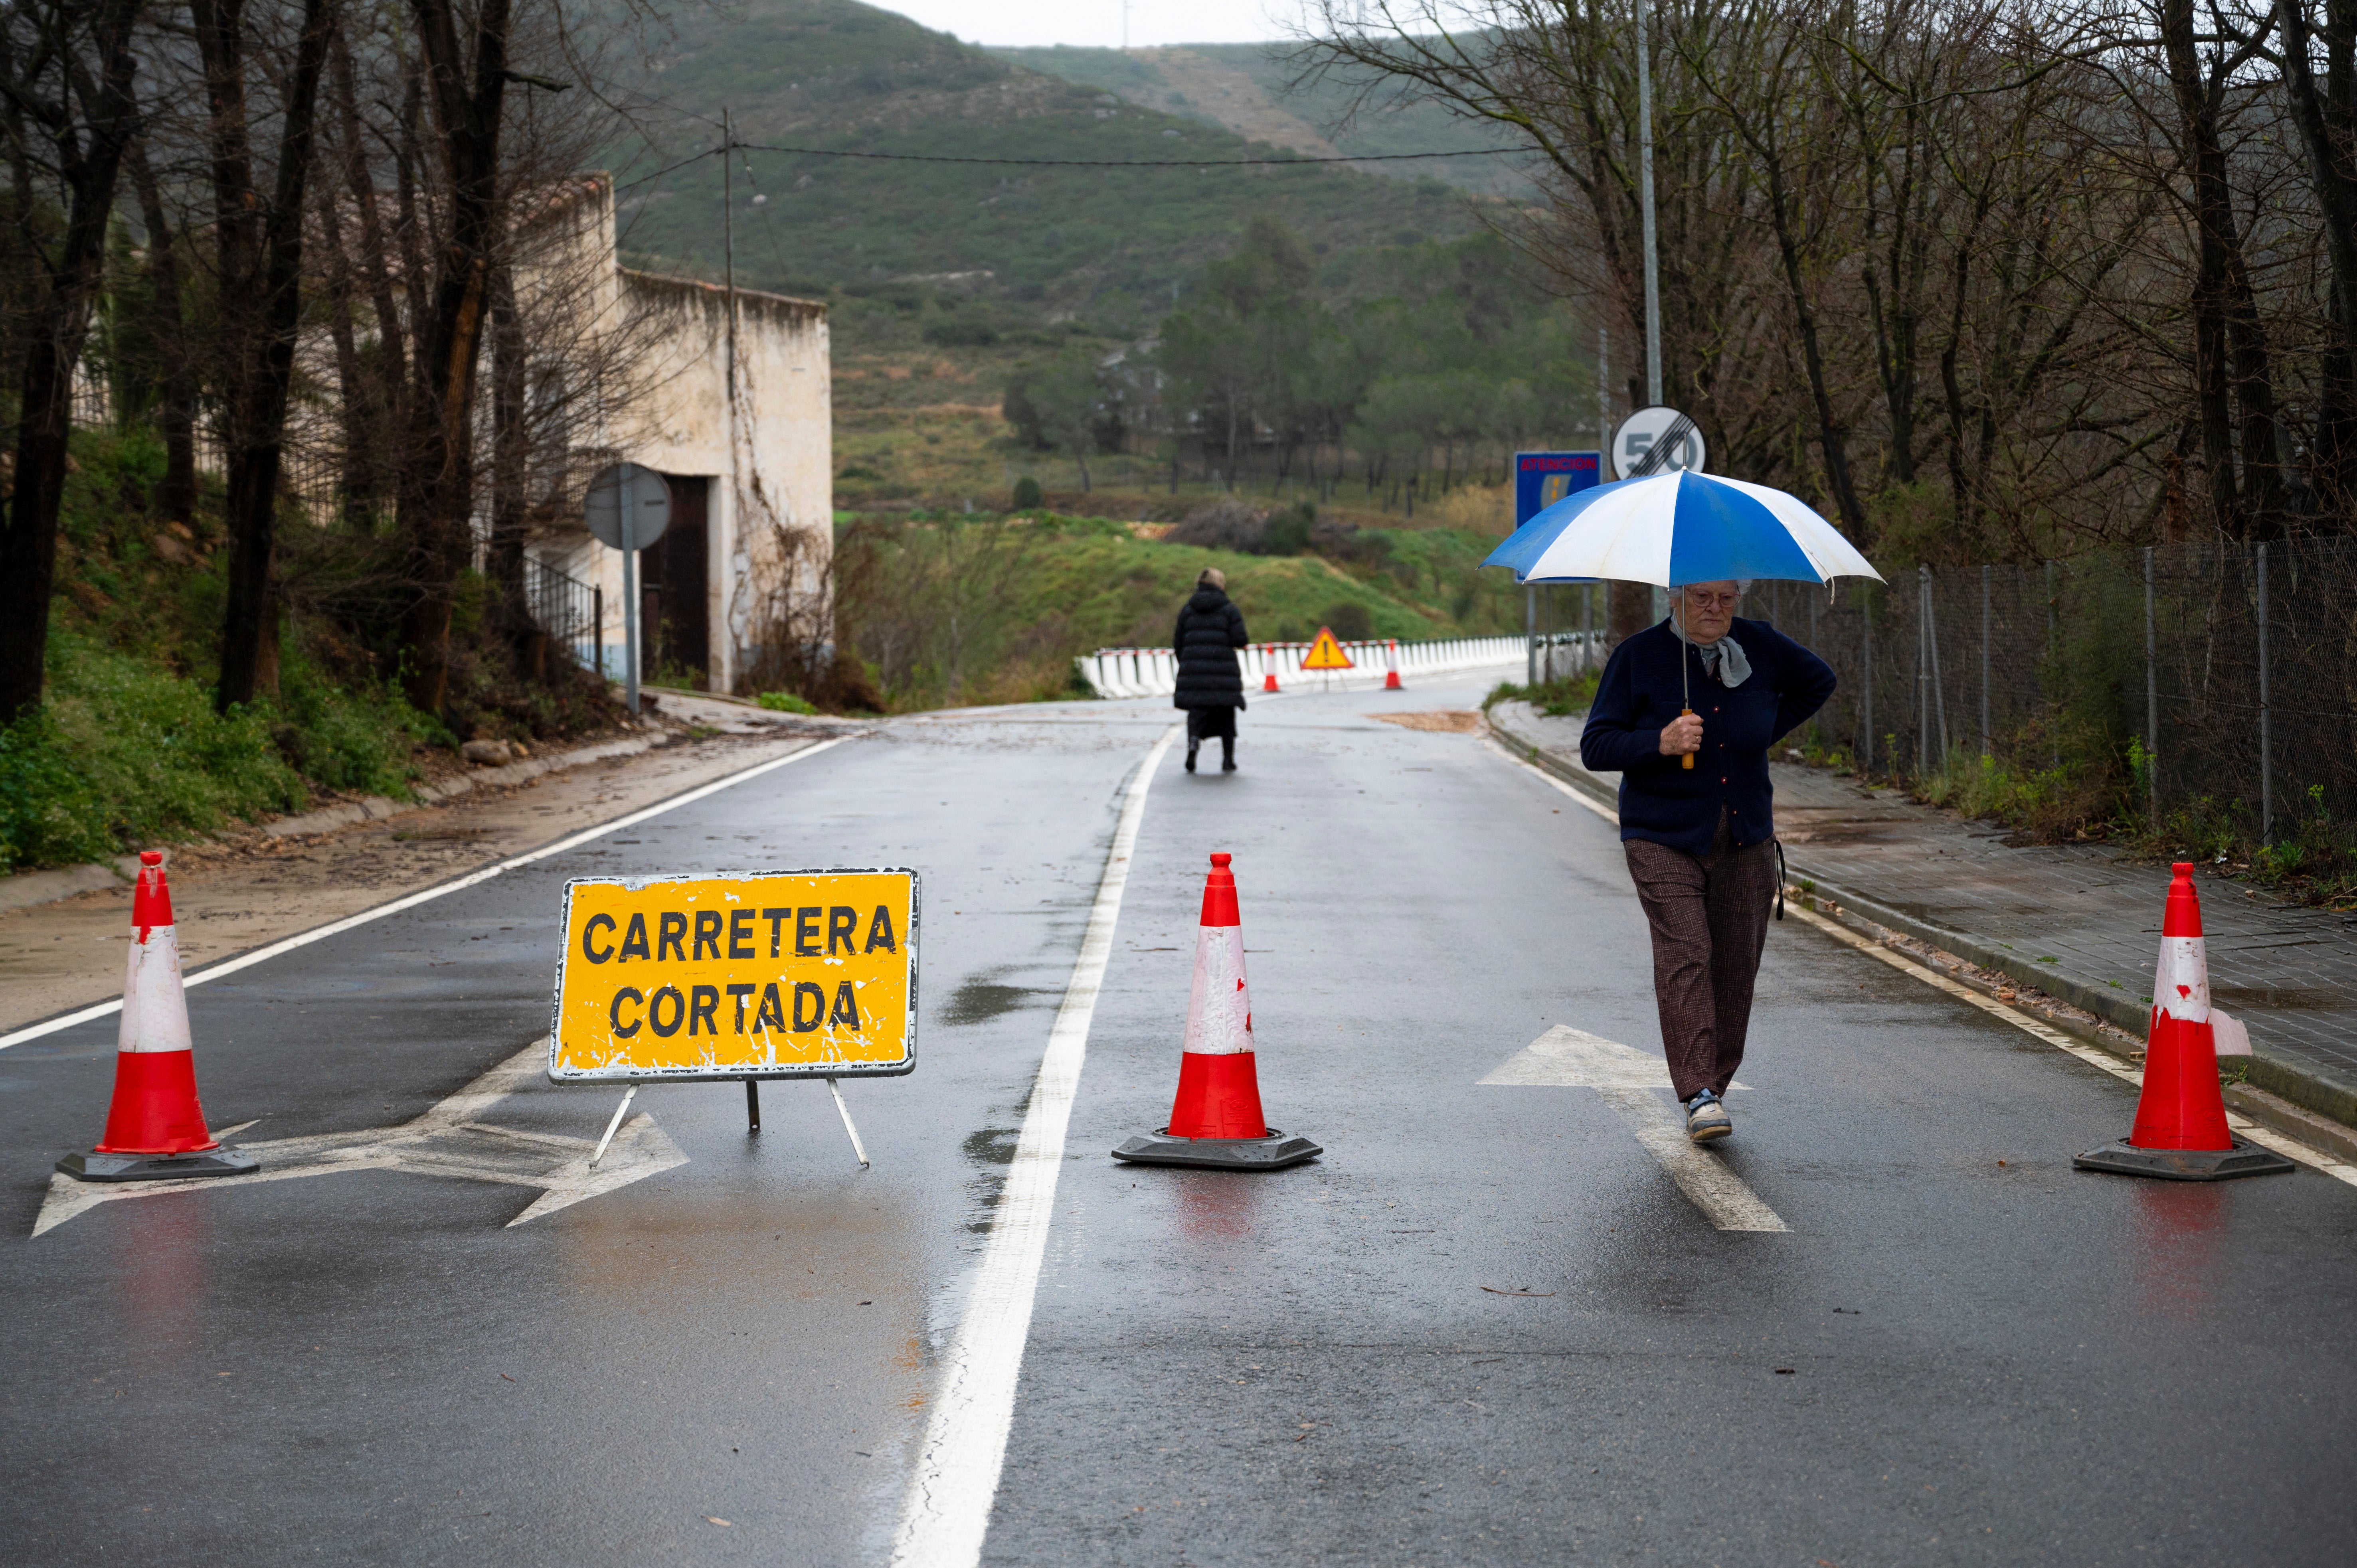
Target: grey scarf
1723, 660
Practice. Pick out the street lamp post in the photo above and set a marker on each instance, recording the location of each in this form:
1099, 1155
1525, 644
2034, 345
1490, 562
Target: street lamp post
1645, 198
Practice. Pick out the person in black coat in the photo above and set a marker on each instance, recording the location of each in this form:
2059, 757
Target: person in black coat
1211, 683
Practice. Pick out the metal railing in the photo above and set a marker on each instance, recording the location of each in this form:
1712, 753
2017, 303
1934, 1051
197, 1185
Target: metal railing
571, 612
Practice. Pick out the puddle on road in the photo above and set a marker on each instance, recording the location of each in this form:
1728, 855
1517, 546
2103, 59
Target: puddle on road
978, 1001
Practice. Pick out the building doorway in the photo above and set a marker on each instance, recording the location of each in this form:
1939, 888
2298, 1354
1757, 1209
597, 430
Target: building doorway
676, 610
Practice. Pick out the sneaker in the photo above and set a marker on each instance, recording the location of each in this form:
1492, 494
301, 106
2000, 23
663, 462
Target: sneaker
1706, 1118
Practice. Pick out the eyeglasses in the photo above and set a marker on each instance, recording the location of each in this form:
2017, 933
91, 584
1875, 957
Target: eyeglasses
1701, 601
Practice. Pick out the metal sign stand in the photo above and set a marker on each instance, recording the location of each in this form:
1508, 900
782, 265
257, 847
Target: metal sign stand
845, 1110
627, 1095
628, 509
629, 613
752, 1118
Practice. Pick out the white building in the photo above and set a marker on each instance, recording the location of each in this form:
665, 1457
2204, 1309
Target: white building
751, 476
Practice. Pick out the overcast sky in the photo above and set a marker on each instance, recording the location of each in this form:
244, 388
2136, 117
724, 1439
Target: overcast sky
1097, 23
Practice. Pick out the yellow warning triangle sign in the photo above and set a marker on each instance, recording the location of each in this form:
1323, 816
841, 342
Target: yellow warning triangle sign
1325, 654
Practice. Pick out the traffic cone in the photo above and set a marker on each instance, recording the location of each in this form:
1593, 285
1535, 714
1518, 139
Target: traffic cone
1216, 1119
155, 1128
2181, 1132
1268, 656
1391, 676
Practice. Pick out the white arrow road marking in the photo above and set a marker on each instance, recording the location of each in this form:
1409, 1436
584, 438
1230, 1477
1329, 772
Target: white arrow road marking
446, 1141
1721, 1195
1565, 1057
946, 1511
1632, 1081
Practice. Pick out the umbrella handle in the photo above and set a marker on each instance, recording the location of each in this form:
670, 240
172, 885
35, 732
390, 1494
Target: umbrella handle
1686, 760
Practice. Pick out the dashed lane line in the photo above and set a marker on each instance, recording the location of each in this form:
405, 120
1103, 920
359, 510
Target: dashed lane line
427, 895
2267, 1137
946, 1510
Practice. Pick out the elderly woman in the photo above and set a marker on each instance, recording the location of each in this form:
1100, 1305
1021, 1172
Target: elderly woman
1686, 713
1211, 681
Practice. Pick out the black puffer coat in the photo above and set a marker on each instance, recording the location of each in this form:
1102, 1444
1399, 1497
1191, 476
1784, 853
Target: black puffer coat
1210, 629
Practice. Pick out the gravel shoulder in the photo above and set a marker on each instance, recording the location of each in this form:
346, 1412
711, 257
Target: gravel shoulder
256, 888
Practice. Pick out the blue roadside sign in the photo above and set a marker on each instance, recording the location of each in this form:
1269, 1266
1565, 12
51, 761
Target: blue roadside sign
1542, 478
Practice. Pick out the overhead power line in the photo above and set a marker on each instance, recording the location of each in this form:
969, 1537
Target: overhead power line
1073, 163
1130, 163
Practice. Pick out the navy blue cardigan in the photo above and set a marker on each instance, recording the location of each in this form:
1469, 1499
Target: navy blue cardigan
1639, 696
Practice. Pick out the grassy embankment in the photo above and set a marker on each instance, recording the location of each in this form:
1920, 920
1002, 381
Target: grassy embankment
948, 608
128, 752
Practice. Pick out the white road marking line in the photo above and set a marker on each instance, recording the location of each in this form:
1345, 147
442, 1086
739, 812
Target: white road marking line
1722, 1196
947, 1509
1963, 993
1552, 782
411, 901
446, 1140
2267, 1137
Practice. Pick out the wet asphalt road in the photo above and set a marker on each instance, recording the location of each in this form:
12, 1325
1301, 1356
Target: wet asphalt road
1989, 1362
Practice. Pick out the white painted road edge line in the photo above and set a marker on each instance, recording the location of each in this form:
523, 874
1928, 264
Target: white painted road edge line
947, 1509
2267, 1137
2242, 1126
411, 901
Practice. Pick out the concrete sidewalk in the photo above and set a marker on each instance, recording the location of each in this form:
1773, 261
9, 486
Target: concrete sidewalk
2078, 923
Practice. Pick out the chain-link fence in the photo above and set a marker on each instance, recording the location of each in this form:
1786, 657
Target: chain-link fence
2216, 679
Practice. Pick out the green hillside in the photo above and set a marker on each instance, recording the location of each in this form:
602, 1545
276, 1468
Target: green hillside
1250, 87
1107, 246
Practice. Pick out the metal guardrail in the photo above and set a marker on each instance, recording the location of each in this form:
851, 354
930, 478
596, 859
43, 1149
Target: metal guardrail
1154, 672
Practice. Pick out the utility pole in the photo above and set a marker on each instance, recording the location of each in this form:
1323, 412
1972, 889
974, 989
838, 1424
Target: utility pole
736, 491
1646, 195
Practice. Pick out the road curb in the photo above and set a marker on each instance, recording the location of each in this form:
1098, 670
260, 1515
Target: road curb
2297, 1086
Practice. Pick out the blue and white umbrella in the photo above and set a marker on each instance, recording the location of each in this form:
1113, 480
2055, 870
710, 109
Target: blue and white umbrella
1674, 529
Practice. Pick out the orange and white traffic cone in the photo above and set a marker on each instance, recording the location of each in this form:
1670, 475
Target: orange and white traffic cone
1268, 657
2181, 1132
155, 1128
1216, 1119
1391, 676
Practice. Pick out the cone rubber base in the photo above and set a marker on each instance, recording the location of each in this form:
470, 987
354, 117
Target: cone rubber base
157, 1168
1273, 1153
2244, 1159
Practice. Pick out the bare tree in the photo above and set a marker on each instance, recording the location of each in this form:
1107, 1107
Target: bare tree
261, 252
66, 110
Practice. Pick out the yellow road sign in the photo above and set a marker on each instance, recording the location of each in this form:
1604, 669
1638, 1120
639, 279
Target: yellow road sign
1325, 654
778, 974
